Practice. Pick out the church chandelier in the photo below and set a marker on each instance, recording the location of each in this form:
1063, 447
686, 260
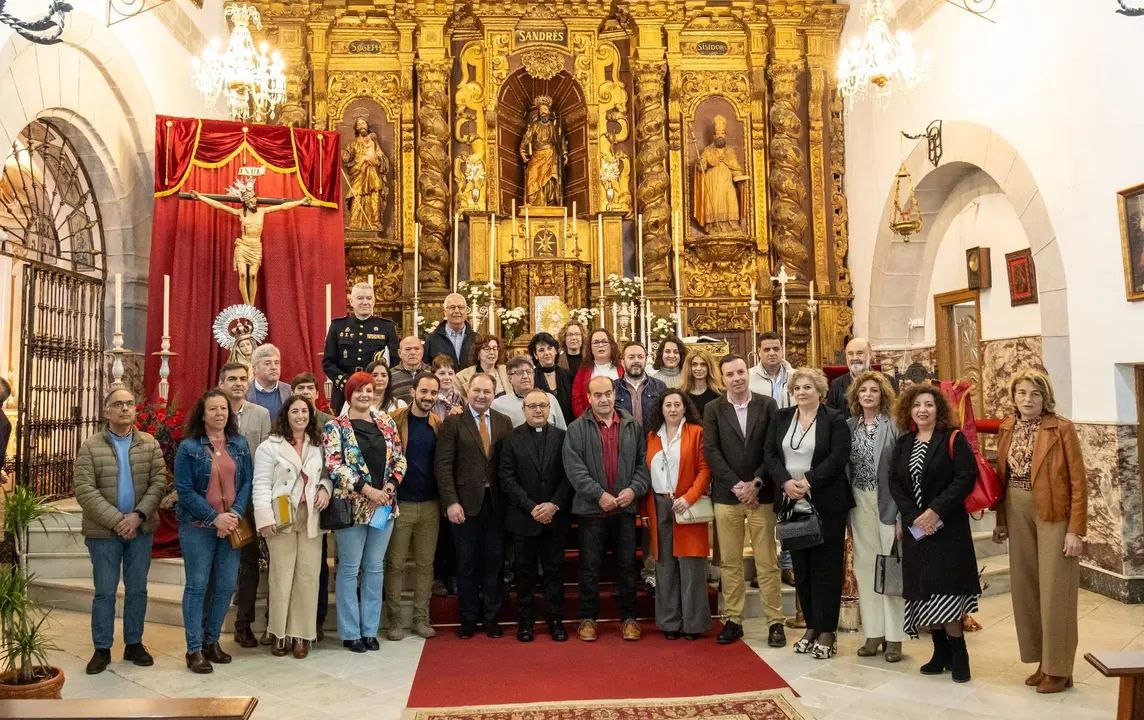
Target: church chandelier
880, 59
253, 82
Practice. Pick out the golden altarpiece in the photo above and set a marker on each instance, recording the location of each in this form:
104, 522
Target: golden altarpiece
721, 117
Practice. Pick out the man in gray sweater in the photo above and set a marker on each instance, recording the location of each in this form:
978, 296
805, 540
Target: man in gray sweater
604, 453
120, 477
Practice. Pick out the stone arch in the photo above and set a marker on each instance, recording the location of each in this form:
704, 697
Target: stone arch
978, 162
102, 105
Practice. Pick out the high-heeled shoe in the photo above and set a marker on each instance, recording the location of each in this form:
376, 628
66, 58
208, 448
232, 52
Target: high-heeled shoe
824, 652
804, 646
870, 649
893, 652
1052, 684
1035, 679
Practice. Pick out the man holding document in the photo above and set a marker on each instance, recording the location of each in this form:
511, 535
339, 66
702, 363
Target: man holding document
933, 471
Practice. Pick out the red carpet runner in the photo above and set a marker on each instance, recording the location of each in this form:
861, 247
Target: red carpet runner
480, 671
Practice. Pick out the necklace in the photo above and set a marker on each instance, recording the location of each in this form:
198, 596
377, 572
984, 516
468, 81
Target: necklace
214, 447
797, 427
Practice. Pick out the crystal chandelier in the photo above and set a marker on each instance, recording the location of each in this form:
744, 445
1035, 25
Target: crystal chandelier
253, 82
879, 59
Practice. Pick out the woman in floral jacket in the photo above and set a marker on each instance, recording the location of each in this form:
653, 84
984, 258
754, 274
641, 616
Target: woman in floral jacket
366, 464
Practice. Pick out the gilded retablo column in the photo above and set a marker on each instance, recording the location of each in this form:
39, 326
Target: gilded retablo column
433, 172
652, 181
788, 188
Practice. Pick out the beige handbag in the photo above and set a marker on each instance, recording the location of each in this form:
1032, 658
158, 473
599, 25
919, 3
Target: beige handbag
703, 511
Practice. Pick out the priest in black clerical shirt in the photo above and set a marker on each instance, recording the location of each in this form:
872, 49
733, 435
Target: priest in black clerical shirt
539, 499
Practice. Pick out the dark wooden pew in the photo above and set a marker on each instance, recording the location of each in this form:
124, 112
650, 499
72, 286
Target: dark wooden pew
234, 708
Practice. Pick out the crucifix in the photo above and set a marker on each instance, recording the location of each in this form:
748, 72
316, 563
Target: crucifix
253, 211
782, 279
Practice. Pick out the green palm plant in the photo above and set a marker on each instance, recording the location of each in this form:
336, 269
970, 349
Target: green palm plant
24, 643
22, 508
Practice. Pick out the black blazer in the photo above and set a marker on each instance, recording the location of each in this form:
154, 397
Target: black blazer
829, 488
528, 479
731, 456
438, 343
462, 465
945, 562
562, 391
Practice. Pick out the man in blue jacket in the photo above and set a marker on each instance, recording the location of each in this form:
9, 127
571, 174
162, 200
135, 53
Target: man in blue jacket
636, 383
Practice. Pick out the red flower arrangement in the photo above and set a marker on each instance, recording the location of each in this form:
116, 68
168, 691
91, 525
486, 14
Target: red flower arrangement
165, 423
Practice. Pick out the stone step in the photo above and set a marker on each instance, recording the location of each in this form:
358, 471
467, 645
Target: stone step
995, 578
985, 523
984, 546
165, 603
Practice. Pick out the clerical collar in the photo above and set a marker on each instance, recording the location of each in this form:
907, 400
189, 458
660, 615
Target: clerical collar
539, 429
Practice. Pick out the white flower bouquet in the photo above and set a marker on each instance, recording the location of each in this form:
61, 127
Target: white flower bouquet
625, 289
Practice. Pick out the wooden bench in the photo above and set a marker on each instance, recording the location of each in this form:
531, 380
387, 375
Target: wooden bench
1129, 667
233, 708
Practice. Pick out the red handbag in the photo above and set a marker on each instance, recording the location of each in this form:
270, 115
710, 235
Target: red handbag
987, 491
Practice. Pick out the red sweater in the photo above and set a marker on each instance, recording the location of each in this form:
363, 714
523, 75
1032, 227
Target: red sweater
580, 385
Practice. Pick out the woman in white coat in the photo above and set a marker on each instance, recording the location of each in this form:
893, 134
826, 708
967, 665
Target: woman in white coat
290, 491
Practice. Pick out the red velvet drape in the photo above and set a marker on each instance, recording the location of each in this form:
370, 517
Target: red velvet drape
302, 248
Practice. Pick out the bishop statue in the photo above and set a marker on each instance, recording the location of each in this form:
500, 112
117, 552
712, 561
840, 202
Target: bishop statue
544, 150
719, 201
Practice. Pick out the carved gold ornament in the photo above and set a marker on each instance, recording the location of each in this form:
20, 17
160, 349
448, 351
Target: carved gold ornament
542, 63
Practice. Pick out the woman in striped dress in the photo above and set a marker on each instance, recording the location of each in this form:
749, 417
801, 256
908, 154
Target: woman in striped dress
933, 471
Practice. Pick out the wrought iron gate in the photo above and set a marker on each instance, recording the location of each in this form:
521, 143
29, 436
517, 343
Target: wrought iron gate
61, 375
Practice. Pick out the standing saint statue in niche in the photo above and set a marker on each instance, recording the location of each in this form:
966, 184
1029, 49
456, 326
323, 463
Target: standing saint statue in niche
367, 170
719, 187
544, 150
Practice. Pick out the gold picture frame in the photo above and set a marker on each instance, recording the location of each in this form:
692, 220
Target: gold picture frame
1131, 206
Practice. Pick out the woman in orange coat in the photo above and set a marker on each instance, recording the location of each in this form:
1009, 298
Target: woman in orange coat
679, 477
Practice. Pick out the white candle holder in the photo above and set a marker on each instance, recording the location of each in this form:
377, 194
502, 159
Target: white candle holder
117, 352
753, 355
165, 356
624, 313
812, 308
782, 279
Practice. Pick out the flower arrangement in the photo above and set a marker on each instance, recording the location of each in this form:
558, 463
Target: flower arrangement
584, 316
165, 423
625, 289
426, 325
662, 327
476, 294
512, 322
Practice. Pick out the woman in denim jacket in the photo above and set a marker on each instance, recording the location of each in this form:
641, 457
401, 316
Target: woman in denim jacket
213, 477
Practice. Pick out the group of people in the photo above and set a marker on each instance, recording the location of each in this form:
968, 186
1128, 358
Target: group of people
490, 458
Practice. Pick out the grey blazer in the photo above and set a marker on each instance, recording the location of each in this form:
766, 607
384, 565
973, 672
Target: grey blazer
584, 463
885, 438
254, 425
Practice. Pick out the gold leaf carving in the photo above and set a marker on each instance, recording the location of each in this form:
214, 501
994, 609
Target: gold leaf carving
788, 163
720, 320
542, 63
838, 202
470, 166
652, 179
347, 85
698, 84
432, 171
615, 165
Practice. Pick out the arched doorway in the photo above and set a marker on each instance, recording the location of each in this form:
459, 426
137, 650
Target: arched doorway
51, 304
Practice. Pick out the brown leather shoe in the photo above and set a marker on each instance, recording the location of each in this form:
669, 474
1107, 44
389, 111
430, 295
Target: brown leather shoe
587, 631
1052, 684
1035, 679
631, 630
279, 646
245, 638
215, 654
197, 663
301, 648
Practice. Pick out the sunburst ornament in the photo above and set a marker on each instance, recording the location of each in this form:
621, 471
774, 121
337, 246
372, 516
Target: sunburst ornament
239, 321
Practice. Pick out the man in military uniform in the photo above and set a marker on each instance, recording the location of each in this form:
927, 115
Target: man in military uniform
353, 342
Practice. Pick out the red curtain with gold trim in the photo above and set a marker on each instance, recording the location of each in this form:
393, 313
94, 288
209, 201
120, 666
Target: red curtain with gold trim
302, 248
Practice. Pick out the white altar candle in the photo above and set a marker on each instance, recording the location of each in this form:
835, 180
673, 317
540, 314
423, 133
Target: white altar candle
493, 245
812, 290
370, 280
564, 235
416, 258
600, 253
118, 303
329, 307
456, 246
527, 234
752, 291
639, 248
675, 250
166, 306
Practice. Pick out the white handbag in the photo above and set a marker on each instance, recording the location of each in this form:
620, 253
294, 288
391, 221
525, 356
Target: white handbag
703, 511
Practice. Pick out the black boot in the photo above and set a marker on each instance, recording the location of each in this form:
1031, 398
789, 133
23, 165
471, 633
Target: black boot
959, 659
939, 663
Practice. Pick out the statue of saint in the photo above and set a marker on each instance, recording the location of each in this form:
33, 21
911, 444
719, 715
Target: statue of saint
248, 246
240, 329
719, 187
368, 171
545, 153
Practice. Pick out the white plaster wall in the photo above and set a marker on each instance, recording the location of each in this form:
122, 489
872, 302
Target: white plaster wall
1049, 77
988, 222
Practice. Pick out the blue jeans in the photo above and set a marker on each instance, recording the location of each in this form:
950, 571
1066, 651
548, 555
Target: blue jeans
204, 553
108, 555
785, 563
360, 547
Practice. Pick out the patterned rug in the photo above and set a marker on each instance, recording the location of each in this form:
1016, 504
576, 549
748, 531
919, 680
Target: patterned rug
765, 705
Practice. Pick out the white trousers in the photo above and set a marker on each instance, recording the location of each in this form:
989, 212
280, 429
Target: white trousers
882, 615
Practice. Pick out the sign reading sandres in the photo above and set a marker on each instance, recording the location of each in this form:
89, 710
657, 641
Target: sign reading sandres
548, 34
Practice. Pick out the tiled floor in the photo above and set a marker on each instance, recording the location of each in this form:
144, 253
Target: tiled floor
333, 682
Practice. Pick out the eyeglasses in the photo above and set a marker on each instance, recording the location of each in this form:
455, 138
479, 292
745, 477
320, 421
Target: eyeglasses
536, 406
456, 307
518, 371
601, 342
121, 405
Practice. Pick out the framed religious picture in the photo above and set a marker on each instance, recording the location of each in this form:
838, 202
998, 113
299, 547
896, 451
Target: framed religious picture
1022, 277
978, 271
1131, 202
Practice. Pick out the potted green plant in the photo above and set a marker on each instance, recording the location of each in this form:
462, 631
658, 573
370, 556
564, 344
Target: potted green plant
24, 643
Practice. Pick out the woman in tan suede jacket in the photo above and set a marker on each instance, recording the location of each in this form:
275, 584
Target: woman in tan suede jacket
1043, 515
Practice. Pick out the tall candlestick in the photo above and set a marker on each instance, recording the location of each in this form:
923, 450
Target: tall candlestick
166, 306
675, 251
416, 258
527, 234
639, 248
370, 280
118, 303
564, 235
456, 246
812, 291
600, 253
492, 245
575, 233
752, 291
329, 307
